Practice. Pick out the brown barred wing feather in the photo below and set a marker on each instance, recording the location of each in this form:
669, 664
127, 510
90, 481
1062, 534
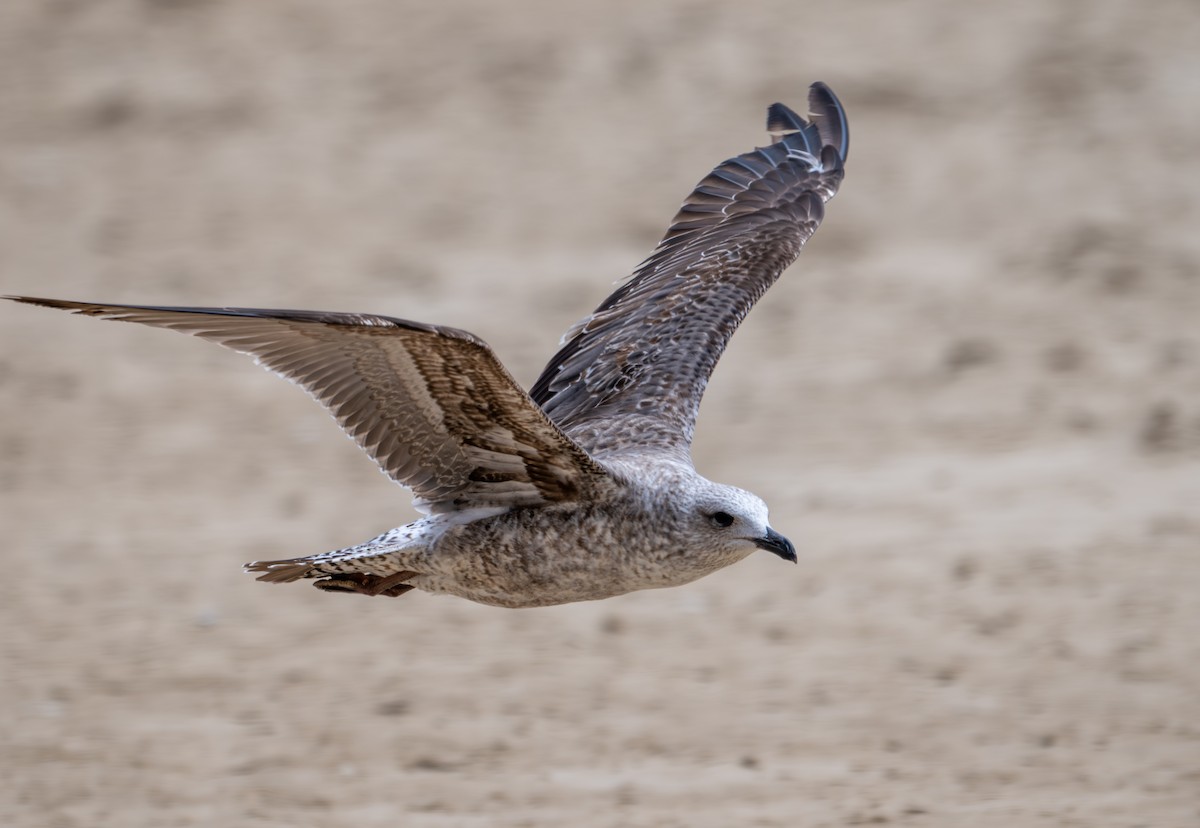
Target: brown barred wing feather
631, 375
432, 406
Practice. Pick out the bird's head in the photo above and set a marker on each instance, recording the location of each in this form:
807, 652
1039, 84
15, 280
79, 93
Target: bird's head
731, 517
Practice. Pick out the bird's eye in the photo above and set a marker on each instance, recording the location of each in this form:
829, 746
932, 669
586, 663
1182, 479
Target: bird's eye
722, 519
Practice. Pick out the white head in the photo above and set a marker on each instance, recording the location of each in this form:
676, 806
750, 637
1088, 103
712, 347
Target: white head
727, 516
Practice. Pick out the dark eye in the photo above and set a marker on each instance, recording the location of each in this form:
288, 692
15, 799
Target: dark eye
722, 519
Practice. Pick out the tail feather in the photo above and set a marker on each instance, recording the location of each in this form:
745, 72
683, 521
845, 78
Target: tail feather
282, 572
334, 576
377, 558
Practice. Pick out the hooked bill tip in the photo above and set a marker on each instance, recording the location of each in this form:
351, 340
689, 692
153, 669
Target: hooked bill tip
777, 544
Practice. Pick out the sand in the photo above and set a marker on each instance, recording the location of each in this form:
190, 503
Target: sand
974, 405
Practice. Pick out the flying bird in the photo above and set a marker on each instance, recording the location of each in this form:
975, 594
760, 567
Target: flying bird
583, 488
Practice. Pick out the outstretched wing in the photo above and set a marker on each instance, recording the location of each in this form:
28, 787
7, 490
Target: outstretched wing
631, 375
431, 405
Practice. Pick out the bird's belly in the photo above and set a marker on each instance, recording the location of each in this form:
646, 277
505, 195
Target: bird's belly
563, 567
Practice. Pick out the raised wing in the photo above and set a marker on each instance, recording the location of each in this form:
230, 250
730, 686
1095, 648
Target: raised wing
431, 405
631, 375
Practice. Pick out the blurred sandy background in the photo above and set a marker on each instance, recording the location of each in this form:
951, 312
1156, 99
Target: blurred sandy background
974, 404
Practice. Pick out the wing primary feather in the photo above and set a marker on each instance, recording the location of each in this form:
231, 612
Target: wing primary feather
632, 374
830, 118
413, 396
827, 127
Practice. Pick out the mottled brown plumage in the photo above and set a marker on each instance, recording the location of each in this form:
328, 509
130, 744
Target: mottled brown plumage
631, 375
431, 405
583, 488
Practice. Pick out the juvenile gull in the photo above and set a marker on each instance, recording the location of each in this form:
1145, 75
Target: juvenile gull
584, 487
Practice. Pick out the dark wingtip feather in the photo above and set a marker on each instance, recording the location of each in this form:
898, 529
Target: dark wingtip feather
827, 127
782, 121
46, 303
829, 118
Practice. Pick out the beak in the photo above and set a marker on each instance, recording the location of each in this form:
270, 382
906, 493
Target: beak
777, 543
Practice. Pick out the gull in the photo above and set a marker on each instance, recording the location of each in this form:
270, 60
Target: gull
583, 488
